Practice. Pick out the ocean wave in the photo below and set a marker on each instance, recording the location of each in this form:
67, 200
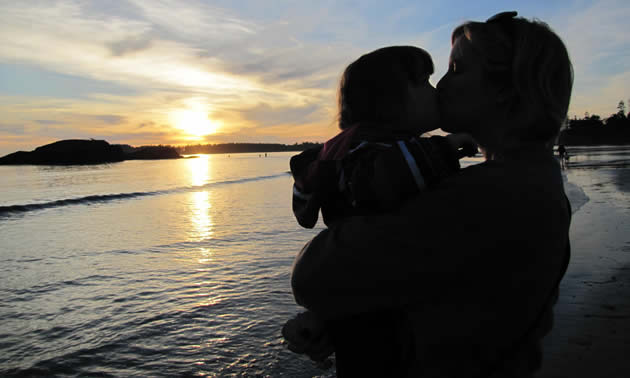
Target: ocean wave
575, 194
102, 198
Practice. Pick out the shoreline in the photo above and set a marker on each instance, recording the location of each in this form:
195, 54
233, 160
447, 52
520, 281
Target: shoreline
592, 317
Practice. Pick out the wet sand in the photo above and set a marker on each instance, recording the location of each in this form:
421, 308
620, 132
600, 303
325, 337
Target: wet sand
591, 335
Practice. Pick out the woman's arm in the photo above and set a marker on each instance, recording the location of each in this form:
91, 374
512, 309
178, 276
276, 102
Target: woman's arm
374, 262
478, 231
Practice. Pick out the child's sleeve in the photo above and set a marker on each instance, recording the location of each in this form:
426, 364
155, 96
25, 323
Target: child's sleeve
305, 207
306, 201
435, 157
380, 176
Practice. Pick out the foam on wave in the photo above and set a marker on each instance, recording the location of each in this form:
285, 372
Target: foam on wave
102, 198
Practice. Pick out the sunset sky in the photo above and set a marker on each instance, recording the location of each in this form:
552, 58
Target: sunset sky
179, 72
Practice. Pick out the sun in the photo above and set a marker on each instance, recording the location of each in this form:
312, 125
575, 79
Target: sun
194, 121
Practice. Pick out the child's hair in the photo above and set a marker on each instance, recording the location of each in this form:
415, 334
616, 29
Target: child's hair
373, 88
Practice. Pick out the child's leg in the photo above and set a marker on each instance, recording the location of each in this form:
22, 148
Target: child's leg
371, 345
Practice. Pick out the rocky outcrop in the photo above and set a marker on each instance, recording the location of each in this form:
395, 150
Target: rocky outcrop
76, 151
66, 152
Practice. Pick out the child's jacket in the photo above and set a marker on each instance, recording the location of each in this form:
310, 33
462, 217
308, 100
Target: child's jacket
361, 172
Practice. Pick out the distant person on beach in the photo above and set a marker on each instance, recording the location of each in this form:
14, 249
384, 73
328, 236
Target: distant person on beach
562, 155
468, 271
378, 160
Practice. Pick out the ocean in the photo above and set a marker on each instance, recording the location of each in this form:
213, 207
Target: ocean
149, 268
156, 268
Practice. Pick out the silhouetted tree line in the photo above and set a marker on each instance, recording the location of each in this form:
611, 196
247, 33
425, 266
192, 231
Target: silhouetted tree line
232, 148
592, 129
150, 152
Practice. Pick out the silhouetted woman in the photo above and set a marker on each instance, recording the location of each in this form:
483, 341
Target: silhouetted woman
473, 266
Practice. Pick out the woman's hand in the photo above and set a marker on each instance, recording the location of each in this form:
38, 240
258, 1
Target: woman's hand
306, 334
463, 144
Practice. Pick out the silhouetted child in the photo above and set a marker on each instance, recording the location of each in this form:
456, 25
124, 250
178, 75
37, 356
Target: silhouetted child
378, 160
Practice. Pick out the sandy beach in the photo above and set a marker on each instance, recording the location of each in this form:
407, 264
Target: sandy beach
591, 335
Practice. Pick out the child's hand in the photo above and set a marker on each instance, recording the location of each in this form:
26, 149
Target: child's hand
464, 144
306, 334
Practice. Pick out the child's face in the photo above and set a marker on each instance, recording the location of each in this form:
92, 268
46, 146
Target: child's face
422, 107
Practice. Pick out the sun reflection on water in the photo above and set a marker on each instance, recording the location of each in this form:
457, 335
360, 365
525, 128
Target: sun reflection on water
201, 227
199, 170
200, 217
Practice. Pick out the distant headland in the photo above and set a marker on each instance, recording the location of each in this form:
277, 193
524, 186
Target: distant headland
233, 148
80, 151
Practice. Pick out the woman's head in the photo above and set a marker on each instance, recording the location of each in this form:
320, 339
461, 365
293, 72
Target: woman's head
389, 87
509, 82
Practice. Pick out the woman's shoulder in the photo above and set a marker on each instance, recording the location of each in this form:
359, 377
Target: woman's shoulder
533, 169
492, 183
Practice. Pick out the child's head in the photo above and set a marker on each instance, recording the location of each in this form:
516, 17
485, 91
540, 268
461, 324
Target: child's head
389, 87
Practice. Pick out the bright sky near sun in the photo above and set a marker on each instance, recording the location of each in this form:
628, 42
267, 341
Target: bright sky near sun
179, 72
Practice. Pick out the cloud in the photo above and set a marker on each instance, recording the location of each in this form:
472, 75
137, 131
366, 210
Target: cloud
195, 21
130, 45
64, 117
12, 129
48, 121
143, 138
264, 115
60, 38
109, 119
213, 51
145, 125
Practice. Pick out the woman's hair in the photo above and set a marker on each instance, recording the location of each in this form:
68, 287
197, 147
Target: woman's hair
373, 88
530, 67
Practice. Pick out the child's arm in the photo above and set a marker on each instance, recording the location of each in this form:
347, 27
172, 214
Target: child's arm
306, 201
307, 334
315, 181
380, 178
438, 157
463, 143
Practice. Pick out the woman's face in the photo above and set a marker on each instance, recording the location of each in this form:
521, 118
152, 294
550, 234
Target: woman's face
466, 101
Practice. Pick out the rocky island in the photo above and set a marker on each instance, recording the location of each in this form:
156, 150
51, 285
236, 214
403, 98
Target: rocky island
78, 151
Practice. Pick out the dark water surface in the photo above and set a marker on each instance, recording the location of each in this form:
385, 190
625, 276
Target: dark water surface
154, 268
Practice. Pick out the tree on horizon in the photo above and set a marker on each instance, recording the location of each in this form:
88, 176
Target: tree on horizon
621, 107
594, 130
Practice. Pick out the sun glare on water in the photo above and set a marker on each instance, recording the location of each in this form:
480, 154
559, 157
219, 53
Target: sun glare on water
194, 121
